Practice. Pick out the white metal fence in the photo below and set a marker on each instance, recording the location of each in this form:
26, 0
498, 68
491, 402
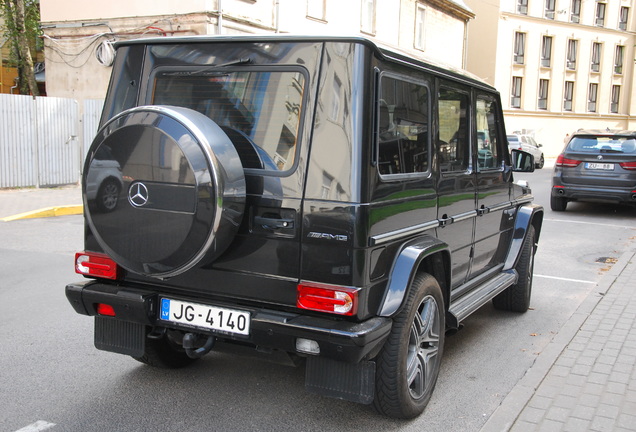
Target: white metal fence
43, 140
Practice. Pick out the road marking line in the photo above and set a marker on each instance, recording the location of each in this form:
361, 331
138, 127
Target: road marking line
590, 223
565, 279
38, 426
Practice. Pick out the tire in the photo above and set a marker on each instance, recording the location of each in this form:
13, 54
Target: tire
558, 204
408, 365
517, 297
164, 353
108, 195
541, 163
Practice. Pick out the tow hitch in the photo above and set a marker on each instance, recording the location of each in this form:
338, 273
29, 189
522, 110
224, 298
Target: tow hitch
189, 343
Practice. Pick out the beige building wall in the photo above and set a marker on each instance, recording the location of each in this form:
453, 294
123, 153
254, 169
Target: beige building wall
491, 56
77, 34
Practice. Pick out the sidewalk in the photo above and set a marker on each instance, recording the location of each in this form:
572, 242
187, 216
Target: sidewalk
585, 379
31, 202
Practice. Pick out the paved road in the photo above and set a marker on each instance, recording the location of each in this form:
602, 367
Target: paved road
51, 372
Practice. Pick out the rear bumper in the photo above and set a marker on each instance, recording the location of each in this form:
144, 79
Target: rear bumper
338, 340
600, 194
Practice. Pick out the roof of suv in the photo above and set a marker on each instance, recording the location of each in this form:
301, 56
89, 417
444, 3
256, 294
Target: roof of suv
386, 51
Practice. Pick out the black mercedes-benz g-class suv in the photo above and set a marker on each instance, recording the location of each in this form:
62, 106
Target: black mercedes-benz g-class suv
320, 196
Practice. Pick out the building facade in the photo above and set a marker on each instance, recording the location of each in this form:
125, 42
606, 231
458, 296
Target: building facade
560, 65
78, 36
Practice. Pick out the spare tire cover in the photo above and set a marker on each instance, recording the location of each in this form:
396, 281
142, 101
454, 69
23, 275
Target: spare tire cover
183, 190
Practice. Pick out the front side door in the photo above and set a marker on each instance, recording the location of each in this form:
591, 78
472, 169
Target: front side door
494, 212
456, 187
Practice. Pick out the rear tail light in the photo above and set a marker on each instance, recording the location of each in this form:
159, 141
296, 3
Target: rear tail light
104, 309
568, 163
628, 165
96, 265
327, 298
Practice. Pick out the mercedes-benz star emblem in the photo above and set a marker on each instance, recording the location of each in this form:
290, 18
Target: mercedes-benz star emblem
138, 194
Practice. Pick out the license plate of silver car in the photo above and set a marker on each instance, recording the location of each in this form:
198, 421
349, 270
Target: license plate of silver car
599, 166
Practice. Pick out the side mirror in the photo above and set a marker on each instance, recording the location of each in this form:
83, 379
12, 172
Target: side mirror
522, 161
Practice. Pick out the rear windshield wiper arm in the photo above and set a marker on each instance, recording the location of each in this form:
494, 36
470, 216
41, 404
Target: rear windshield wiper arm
240, 61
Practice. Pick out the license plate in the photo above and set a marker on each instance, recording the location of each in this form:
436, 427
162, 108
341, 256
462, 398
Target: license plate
599, 166
206, 317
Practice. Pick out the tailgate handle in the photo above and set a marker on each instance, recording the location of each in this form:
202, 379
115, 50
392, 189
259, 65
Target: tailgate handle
273, 223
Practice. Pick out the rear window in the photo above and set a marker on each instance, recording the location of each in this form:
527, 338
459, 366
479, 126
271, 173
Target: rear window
513, 138
602, 144
260, 110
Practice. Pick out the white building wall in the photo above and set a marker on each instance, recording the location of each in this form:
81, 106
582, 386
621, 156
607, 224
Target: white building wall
549, 126
74, 31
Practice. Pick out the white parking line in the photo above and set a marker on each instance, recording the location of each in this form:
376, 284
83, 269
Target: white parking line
590, 223
38, 426
565, 279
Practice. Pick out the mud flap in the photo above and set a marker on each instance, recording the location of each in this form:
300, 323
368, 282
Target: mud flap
120, 337
353, 382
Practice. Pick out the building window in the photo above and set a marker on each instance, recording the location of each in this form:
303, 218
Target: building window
519, 48
549, 9
420, 31
367, 16
522, 7
546, 51
571, 54
623, 17
591, 97
334, 113
317, 9
515, 100
568, 95
544, 85
575, 12
618, 59
600, 14
595, 65
616, 96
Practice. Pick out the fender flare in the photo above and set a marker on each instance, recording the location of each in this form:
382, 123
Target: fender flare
404, 269
527, 215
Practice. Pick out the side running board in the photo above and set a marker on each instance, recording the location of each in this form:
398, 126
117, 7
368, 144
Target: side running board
476, 298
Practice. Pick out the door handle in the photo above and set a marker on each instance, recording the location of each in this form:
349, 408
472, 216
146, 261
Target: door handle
273, 223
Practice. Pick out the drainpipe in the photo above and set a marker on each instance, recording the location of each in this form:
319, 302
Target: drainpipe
277, 10
15, 86
220, 18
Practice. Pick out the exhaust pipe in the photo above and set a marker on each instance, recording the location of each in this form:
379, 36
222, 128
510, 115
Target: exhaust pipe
561, 192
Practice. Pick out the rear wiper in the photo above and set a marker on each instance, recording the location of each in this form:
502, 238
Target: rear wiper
210, 68
610, 150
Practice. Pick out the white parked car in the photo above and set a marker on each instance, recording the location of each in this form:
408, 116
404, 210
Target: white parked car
104, 181
527, 144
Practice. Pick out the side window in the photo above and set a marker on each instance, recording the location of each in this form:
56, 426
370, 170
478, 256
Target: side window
488, 153
452, 140
403, 123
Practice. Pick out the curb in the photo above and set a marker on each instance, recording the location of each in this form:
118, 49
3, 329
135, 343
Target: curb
513, 404
47, 212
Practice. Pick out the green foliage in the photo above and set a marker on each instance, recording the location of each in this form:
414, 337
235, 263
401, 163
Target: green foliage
31, 24
11, 31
